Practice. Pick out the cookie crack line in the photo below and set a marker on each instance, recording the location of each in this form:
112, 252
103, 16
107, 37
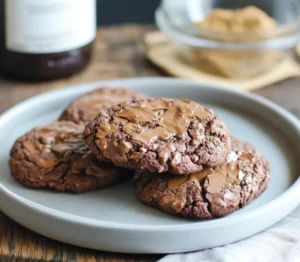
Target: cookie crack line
64, 174
203, 195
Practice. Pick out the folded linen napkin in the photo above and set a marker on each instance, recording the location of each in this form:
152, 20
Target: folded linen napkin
280, 242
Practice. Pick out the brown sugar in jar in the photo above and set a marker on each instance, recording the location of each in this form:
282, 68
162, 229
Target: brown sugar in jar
246, 20
249, 24
44, 40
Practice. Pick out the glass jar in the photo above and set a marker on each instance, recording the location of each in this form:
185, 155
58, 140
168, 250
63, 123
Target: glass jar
43, 40
230, 54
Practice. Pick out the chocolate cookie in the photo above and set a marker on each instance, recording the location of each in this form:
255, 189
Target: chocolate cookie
212, 192
87, 106
55, 156
159, 135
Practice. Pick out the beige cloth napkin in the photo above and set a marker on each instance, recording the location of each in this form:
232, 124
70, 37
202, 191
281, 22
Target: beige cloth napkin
164, 54
279, 243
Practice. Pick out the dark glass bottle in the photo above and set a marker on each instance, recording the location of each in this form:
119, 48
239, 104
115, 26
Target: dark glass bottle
43, 40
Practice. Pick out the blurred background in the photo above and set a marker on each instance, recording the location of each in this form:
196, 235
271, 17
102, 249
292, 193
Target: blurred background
130, 11
227, 39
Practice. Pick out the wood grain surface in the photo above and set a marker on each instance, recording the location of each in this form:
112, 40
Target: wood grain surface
118, 54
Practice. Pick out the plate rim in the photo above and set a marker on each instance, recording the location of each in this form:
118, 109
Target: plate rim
286, 198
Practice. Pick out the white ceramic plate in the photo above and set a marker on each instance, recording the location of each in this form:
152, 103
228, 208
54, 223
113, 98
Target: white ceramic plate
112, 219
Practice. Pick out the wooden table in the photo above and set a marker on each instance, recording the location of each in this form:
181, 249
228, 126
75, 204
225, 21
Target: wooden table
119, 53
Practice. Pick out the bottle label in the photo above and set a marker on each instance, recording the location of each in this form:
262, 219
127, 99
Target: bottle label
49, 26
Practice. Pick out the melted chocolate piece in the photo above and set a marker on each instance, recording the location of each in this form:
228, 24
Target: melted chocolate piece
217, 177
177, 181
173, 119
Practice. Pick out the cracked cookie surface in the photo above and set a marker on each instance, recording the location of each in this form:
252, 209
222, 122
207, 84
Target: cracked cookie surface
212, 192
83, 108
159, 135
56, 157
